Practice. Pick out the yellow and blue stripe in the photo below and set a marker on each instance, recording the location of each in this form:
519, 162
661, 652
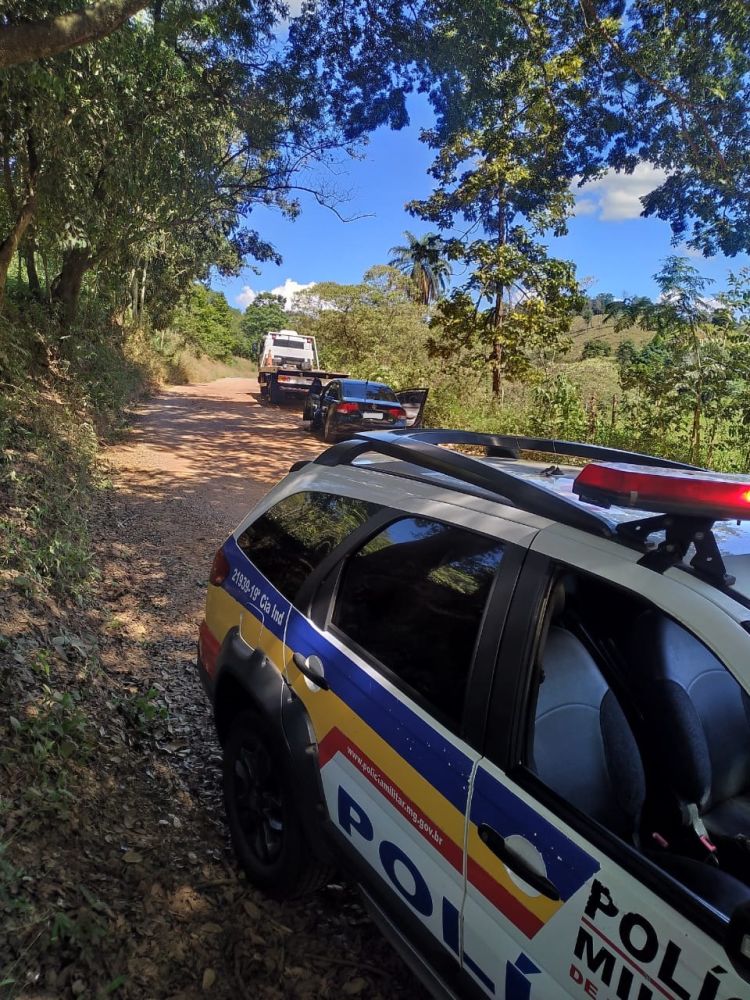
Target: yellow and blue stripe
420, 771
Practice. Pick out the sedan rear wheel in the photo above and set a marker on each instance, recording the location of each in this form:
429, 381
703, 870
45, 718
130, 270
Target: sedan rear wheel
329, 432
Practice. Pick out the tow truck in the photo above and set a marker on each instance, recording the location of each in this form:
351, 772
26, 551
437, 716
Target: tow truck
289, 366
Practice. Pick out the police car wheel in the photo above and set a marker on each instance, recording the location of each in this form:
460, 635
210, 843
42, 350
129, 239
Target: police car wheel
264, 825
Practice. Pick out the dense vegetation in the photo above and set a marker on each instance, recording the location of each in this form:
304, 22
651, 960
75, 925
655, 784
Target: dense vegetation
670, 377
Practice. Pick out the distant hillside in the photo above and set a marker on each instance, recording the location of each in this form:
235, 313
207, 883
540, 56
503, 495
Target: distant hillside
595, 378
598, 329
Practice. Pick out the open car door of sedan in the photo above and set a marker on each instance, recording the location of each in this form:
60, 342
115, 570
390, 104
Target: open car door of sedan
413, 401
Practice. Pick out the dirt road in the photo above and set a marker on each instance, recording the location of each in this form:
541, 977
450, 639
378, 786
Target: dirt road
136, 874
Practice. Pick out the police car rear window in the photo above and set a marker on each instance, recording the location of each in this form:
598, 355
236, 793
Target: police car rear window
292, 537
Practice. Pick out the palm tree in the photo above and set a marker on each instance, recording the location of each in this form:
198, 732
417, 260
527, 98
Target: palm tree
421, 260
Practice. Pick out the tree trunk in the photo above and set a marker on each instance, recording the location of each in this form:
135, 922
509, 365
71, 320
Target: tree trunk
142, 298
498, 313
47, 286
27, 41
497, 357
133, 292
10, 244
32, 275
24, 215
695, 436
66, 288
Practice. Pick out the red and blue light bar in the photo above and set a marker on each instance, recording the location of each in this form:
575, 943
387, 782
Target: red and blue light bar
691, 493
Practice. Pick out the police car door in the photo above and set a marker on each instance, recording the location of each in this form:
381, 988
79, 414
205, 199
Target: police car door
406, 640
557, 905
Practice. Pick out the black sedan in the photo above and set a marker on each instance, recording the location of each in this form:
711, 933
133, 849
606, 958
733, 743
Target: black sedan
349, 405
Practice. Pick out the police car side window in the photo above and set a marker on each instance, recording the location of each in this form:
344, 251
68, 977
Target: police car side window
292, 537
413, 598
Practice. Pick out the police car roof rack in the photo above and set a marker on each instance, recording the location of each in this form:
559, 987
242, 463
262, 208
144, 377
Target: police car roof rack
421, 448
511, 445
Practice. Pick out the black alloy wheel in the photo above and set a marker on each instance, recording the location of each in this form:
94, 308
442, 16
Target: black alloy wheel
259, 803
264, 822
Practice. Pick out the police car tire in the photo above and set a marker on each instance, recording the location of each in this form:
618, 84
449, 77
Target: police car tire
295, 871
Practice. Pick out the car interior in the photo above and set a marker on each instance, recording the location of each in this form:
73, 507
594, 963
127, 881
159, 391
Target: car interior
639, 727
429, 583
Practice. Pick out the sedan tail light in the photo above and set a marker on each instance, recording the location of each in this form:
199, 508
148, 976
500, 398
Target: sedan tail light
347, 408
219, 569
396, 412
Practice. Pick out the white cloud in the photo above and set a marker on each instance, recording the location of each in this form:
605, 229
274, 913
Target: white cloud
287, 291
616, 196
685, 251
246, 296
586, 206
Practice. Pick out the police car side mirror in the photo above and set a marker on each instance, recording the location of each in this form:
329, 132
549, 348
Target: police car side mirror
738, 939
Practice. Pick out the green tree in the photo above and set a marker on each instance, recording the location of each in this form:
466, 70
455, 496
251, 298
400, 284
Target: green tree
265, 313
373, 329
596, 348
420, 258
502, 173
639, 82
205, 323
601, 303
131, 165
626, 353
691, 371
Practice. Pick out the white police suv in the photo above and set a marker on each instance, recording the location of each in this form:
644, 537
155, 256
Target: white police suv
511, 697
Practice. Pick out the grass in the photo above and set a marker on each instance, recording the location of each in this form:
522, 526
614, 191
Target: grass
189, 370
601, 329
594, 378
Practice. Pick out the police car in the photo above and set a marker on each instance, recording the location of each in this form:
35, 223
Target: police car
510, 697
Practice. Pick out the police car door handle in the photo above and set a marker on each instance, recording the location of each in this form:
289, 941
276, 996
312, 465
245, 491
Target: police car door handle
518, 865
311, 668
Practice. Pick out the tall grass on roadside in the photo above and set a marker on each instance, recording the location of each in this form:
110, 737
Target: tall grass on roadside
59, 395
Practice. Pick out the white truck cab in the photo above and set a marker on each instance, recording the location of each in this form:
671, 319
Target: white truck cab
288, 349
288, 365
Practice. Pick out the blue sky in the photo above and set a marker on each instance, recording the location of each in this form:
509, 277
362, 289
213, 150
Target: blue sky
613, 248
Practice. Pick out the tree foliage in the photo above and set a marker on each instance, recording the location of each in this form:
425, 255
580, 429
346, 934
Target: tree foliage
266, 312
421, 258
206, 324
624, 81
133, 165
373, 329
693, 373
596, 348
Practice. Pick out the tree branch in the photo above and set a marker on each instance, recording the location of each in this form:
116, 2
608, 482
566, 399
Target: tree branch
592, 21
28, 41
